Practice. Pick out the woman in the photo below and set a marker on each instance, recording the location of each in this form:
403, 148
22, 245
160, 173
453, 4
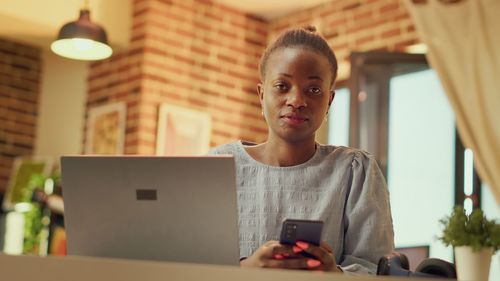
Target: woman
292, 176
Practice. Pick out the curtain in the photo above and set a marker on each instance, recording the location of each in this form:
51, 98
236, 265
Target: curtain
464, 49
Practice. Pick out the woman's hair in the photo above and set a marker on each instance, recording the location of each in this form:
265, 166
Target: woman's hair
305, 37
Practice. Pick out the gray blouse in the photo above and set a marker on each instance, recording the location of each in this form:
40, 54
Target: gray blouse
341, 186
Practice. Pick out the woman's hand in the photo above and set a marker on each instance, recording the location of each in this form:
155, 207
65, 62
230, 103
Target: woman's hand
275, 255
323, 254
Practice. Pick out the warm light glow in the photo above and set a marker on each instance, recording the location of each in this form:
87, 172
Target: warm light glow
417, 49
81, 49
468, 172
468, 206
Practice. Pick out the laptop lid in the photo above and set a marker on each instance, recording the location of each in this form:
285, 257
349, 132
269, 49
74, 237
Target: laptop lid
180, 209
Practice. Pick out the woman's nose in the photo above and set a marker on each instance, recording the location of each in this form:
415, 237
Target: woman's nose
296, 99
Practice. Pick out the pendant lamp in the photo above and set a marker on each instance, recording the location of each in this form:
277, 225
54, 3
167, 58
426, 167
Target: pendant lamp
82, 40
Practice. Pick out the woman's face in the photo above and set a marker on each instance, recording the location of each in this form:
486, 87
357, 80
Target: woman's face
295, 94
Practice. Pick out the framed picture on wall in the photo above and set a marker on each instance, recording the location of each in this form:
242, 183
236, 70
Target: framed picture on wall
106, 129
24, 168
182, 131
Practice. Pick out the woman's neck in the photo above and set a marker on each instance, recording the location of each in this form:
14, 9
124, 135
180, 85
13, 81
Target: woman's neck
276, 152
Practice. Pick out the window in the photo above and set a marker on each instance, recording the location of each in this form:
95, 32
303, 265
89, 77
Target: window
421, 162
401, 115
338, 118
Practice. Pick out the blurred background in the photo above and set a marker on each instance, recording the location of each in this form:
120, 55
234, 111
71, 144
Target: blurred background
182, 78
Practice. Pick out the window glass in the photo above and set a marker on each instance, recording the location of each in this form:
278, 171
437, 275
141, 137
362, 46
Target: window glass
338, 118
421, 167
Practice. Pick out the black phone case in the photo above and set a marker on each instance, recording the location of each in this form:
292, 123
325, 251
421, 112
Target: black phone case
301, 230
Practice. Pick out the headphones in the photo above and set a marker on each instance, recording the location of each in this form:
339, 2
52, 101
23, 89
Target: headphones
397, 264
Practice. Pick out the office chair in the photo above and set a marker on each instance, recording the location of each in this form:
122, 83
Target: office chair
396, 264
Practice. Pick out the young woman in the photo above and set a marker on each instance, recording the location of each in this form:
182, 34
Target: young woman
292, 176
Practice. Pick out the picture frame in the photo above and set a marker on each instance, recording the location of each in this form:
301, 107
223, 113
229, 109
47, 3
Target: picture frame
105, 133
182, 131
23, 168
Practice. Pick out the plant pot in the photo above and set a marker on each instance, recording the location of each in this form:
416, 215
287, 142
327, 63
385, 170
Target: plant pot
473, 266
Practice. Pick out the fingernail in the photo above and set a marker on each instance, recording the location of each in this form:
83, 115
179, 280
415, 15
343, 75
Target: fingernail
302, 245
313, 263
278, 257
296, 249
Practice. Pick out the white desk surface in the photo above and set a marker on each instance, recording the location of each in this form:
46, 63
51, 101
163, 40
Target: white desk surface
27, 268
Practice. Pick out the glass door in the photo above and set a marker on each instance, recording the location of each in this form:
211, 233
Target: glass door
400, 114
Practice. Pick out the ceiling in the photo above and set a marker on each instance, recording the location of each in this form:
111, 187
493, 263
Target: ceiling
37, 22
271, 9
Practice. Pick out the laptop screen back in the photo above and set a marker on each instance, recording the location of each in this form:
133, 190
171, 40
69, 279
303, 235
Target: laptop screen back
180, 209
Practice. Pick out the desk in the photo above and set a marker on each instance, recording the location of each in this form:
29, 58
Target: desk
28, 268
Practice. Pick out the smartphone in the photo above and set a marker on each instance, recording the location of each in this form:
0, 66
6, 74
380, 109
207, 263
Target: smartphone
301, 230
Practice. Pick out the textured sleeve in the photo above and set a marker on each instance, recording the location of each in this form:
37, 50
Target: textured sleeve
213, 151
222, 149
368, 223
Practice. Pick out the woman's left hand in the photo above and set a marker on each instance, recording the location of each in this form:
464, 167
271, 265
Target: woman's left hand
323, 253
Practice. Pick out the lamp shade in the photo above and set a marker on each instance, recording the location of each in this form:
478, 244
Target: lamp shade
82, 40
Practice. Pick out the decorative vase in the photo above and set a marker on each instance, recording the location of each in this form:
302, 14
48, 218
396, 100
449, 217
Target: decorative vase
473, 266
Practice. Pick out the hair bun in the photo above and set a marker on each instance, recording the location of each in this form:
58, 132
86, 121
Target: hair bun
310, 28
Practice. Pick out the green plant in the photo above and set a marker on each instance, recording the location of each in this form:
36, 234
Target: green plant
34, 216
474, 230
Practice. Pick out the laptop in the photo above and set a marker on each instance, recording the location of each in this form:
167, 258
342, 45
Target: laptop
179, 209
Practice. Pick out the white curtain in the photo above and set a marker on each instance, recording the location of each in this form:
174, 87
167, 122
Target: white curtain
463, 41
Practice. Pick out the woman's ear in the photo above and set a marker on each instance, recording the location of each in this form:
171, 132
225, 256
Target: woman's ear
332, 96
260, 91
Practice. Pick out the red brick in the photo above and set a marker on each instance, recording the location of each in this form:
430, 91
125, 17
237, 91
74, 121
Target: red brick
229, 34
201, 25
227, 58
365, 39
365, 15
199, 76
184, 59
197, 101
225, 84
209, 92
209, 66
391, 33
214, 16
389, 7
200, 51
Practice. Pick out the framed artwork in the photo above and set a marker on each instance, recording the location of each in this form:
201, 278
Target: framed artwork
23, 169
106, 129
182, 131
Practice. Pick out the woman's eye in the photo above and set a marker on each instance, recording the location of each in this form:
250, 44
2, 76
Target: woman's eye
281, 86
315, 90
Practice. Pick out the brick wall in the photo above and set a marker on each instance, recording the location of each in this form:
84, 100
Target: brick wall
356, 25
19, 93
195, 54
204, 56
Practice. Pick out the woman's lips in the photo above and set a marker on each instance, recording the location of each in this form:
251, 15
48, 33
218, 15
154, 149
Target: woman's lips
294, 119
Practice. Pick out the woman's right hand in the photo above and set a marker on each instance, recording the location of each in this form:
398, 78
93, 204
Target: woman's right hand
275, 255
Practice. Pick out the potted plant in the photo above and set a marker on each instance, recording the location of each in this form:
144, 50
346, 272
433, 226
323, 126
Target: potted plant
474, 238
